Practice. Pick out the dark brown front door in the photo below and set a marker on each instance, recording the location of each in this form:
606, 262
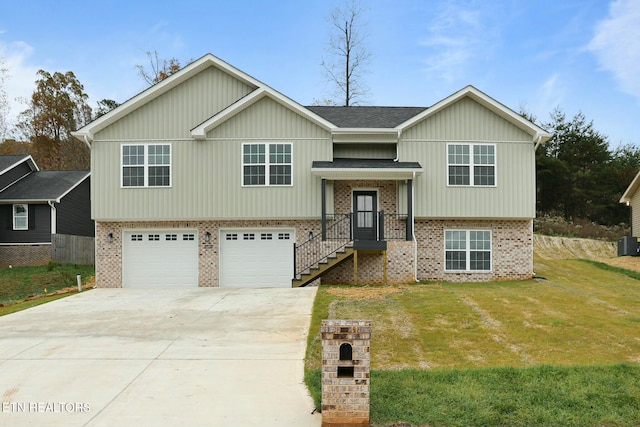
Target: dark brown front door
365, 205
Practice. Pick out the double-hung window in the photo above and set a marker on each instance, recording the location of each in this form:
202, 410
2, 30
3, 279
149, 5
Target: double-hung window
146, 165
266, 164
471, 165
20, 217
467, 250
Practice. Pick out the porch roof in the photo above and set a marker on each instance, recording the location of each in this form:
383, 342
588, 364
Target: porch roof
342, 169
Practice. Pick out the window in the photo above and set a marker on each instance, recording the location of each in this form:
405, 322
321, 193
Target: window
266, 164
266, 236
154, 237
20, 217
467, 250
171, 237
146, 165
231, 236
136, 237
471, 165
248, 236
284, 236
188, 237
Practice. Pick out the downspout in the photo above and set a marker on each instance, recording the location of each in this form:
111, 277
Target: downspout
413, 227
538, 142
53, 217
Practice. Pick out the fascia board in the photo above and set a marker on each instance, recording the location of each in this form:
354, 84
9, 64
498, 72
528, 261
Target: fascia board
351, 173
631, 189
28, 158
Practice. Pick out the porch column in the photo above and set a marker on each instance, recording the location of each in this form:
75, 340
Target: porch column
324, 209
409, 235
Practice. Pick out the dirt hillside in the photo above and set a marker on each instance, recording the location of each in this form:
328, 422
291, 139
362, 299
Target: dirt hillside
547, 247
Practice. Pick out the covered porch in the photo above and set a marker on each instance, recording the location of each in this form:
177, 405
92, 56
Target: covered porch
360, 212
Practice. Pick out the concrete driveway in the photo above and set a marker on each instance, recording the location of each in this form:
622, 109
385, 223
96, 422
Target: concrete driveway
158, 357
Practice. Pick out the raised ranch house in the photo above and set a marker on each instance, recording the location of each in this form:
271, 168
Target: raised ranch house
37, 205
210, 177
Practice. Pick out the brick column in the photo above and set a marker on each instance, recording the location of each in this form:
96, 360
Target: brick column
345, 372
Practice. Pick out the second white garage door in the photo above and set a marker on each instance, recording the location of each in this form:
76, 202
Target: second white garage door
160, 258
256, 258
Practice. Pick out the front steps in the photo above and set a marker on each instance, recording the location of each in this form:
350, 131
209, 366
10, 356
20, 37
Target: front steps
326, 265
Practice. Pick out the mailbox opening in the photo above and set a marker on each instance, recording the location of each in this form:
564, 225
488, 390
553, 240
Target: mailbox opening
346, 352
345, 371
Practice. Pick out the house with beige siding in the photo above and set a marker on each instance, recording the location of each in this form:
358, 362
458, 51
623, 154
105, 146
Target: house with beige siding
212, 178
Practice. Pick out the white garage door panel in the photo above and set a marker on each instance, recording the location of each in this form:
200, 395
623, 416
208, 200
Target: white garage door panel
256, 258
153, 258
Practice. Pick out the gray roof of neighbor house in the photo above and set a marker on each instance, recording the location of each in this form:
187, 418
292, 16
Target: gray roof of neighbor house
366, 117
43, 186
10, 160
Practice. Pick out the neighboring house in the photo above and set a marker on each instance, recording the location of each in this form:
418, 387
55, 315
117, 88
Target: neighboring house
209, 177
34, 205
632, 199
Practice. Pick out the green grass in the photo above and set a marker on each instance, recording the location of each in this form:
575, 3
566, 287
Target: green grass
559, 351
28, 304
19, 283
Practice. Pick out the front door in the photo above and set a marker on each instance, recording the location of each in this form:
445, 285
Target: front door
365, 205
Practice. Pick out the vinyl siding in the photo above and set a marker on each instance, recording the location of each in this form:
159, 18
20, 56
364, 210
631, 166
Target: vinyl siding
174, 113
73, 213
39, 225
364, 151
207, 175
468, 122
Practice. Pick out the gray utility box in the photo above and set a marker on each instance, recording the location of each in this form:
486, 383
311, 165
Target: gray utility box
628, 246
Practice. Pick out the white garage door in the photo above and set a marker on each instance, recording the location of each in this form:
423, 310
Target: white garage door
153, 258
256, 258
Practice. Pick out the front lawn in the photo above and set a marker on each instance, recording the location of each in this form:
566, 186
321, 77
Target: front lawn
20, 283
564, 350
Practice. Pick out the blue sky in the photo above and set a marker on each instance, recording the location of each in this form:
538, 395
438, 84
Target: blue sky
579, 55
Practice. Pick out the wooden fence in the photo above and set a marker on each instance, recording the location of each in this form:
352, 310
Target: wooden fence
67, 249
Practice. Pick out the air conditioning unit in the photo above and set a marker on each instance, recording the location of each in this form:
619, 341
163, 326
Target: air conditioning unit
628, 246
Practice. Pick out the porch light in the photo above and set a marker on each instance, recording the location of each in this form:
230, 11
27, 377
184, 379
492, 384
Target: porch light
110, 237
311, 235
207, 237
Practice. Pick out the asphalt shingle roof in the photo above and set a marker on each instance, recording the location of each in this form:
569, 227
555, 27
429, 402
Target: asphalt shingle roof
366, 117
10, 160
365, 164
43, 185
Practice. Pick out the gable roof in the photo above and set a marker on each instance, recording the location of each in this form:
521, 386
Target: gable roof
10, 161
87, 132
43, 186
538, 134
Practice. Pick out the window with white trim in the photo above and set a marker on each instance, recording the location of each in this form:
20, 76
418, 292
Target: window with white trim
20, 217
146, 165
467, 250
471, 165
266, 164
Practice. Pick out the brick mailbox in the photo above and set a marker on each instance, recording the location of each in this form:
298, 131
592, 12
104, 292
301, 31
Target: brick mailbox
345, 372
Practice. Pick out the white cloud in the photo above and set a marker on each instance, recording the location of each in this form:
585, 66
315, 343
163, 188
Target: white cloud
21, 76
615, 44
458, 35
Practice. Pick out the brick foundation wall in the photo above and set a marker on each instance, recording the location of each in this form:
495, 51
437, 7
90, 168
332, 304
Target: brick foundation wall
512, 249
371, 266
24, 255
109, 255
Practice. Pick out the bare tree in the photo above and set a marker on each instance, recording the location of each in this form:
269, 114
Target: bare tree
349, 55
4, 102
159, 69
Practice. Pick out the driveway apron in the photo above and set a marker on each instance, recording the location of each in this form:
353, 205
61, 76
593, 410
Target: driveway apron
159, 357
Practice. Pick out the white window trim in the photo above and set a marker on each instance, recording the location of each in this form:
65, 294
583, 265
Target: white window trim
472, 164
468, 251
146, 165
26, 216
266, 164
